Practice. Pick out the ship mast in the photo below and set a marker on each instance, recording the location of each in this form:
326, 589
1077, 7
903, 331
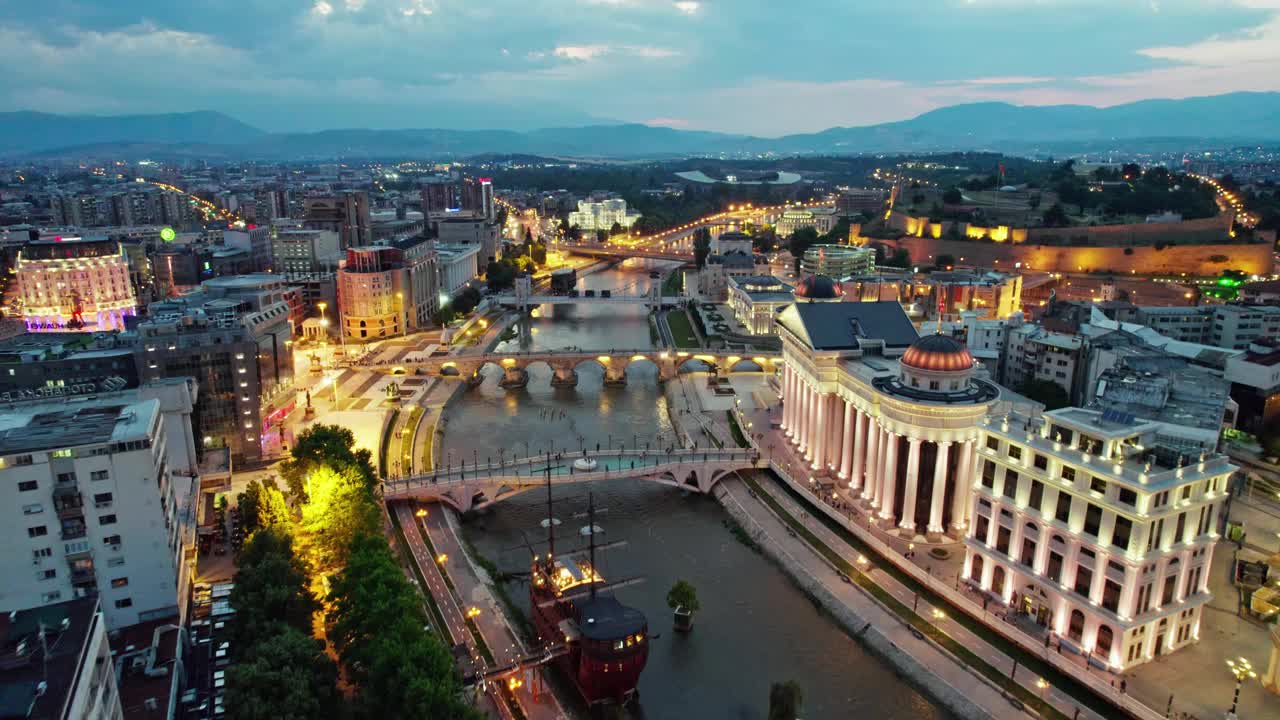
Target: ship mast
551, 521
591, 540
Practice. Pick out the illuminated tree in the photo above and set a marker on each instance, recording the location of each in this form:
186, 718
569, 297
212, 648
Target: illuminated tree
339, 507
319, 445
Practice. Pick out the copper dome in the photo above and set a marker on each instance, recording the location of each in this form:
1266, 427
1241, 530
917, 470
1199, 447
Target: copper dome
818, 287
939, 353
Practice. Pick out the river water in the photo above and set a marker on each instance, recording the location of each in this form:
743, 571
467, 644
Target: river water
755, 627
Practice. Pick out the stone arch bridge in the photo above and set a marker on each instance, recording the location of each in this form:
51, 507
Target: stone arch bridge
564, 364
472, 487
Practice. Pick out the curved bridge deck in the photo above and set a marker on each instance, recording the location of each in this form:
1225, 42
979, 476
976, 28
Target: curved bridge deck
467, 487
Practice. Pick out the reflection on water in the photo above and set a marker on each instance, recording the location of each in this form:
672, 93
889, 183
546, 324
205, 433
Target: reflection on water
754, 629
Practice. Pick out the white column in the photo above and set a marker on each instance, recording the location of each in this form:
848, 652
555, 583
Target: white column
805, 404
846, 442
811, 423
835, 442
871, 481
889, 476
820, 432
940, 481
859, 451
788, 400
961, 502
908, 519
1128, 589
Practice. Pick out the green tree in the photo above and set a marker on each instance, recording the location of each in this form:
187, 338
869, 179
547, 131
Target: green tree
262, 505
285, 676
1046, 391
785, 699
444, 315
683, 595
321, 445
944, 261
500, 275
800, 241
952, 196
528, 235
270, 589
340, 505
616, 229
701, 246
1056, 216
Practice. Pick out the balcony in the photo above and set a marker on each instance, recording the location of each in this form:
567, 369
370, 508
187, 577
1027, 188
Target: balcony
83, 576
74, 532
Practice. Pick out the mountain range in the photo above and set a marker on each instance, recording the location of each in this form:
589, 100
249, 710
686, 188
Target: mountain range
1236, 118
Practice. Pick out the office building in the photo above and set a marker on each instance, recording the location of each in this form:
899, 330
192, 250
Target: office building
1254, 376
387, 291
346, 214
458, 266
255, 242
838, 261
305, 251
239, 351
467, 228
98, 495
56, 663
1099, 527
592, 216
46, 366
713, 279
731, 241
74, 284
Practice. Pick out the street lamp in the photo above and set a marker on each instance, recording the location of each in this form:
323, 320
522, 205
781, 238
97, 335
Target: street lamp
1242, 669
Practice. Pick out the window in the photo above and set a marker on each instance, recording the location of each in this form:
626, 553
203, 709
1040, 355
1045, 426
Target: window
124, 603
1170, 583
1157, 529
988, 474
32, 509
1092, 519
42, 553
1075, 627
22, 460
1182, 526
48, 574
1111, 595
1015, 452
51, 597
1041, 462
99, 475
1127, 496
28, 485
1053, 568
119, 582
1098, 485
106, 519
111, 540
993, 443
64, 478
101, 499
1122, 532
1084, 580
1002, 539
1028, 556
1105, 638
1036, 496
115, 562
37, 531
980, 527
1063, 513
1068, 474
1161, 499
1010, 484
1144, 599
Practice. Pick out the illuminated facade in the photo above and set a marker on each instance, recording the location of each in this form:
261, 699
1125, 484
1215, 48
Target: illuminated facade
74, 284
1096, 527
602, 215
893, 416
387, 291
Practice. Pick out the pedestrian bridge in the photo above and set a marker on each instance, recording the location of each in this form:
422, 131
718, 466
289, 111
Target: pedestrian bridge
564, 364
469, 487
529, 301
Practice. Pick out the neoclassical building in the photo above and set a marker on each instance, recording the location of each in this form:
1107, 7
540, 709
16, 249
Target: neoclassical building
893, 415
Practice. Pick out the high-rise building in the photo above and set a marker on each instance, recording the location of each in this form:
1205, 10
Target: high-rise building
304, 251
438, 198
603, 215
55, 662
466, 228
346, 214
254, 241
74, 284
98, 499
477, 197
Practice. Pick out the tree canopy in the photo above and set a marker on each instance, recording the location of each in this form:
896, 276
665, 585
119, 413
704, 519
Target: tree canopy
785, 699
1046, 391
683, 595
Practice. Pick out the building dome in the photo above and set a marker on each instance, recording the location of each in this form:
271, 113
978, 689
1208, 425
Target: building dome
818, 287
938, 353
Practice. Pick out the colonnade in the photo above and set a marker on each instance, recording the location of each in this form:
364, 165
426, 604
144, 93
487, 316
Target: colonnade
837, 436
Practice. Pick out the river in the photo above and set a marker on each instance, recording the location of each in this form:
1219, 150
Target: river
755, 627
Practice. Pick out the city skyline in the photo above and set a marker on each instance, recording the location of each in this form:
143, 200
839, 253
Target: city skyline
689, 65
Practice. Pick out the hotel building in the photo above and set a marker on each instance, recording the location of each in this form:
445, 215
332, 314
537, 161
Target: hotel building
1098, 526
74, 284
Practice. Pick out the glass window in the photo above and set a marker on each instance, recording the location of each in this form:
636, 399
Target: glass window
1084, 580
1010, 484
1092, 519
1127, 496
1098, 485
1123, 531
1063, 513
1041, 462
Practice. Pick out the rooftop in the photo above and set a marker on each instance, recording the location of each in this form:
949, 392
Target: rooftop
26, 662
842, 325
86, 422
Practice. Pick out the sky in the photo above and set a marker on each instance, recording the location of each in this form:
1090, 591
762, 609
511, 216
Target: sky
761, 67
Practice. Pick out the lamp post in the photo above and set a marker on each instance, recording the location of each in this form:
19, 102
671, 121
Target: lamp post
1242, 669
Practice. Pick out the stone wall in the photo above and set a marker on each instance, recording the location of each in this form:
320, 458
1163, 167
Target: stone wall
1189, 232
1252, 258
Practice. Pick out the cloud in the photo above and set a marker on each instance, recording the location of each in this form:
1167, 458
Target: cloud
581, 52
688, 7
1009, 80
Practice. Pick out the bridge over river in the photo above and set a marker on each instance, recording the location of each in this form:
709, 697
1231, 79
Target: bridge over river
564, 364
467, 487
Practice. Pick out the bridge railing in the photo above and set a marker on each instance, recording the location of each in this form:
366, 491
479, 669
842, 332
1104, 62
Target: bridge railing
584, 354
534, 466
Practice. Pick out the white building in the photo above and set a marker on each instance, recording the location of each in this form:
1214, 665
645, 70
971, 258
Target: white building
97, 495
458, 265
55, 662
1098, 528
592, 216
821, 219
305, 251
74, 284
756, 301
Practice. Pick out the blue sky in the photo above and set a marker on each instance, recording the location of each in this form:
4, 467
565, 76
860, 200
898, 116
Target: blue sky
765, 67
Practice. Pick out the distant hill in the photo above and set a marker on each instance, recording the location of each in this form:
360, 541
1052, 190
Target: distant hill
1233, 118
31, 132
